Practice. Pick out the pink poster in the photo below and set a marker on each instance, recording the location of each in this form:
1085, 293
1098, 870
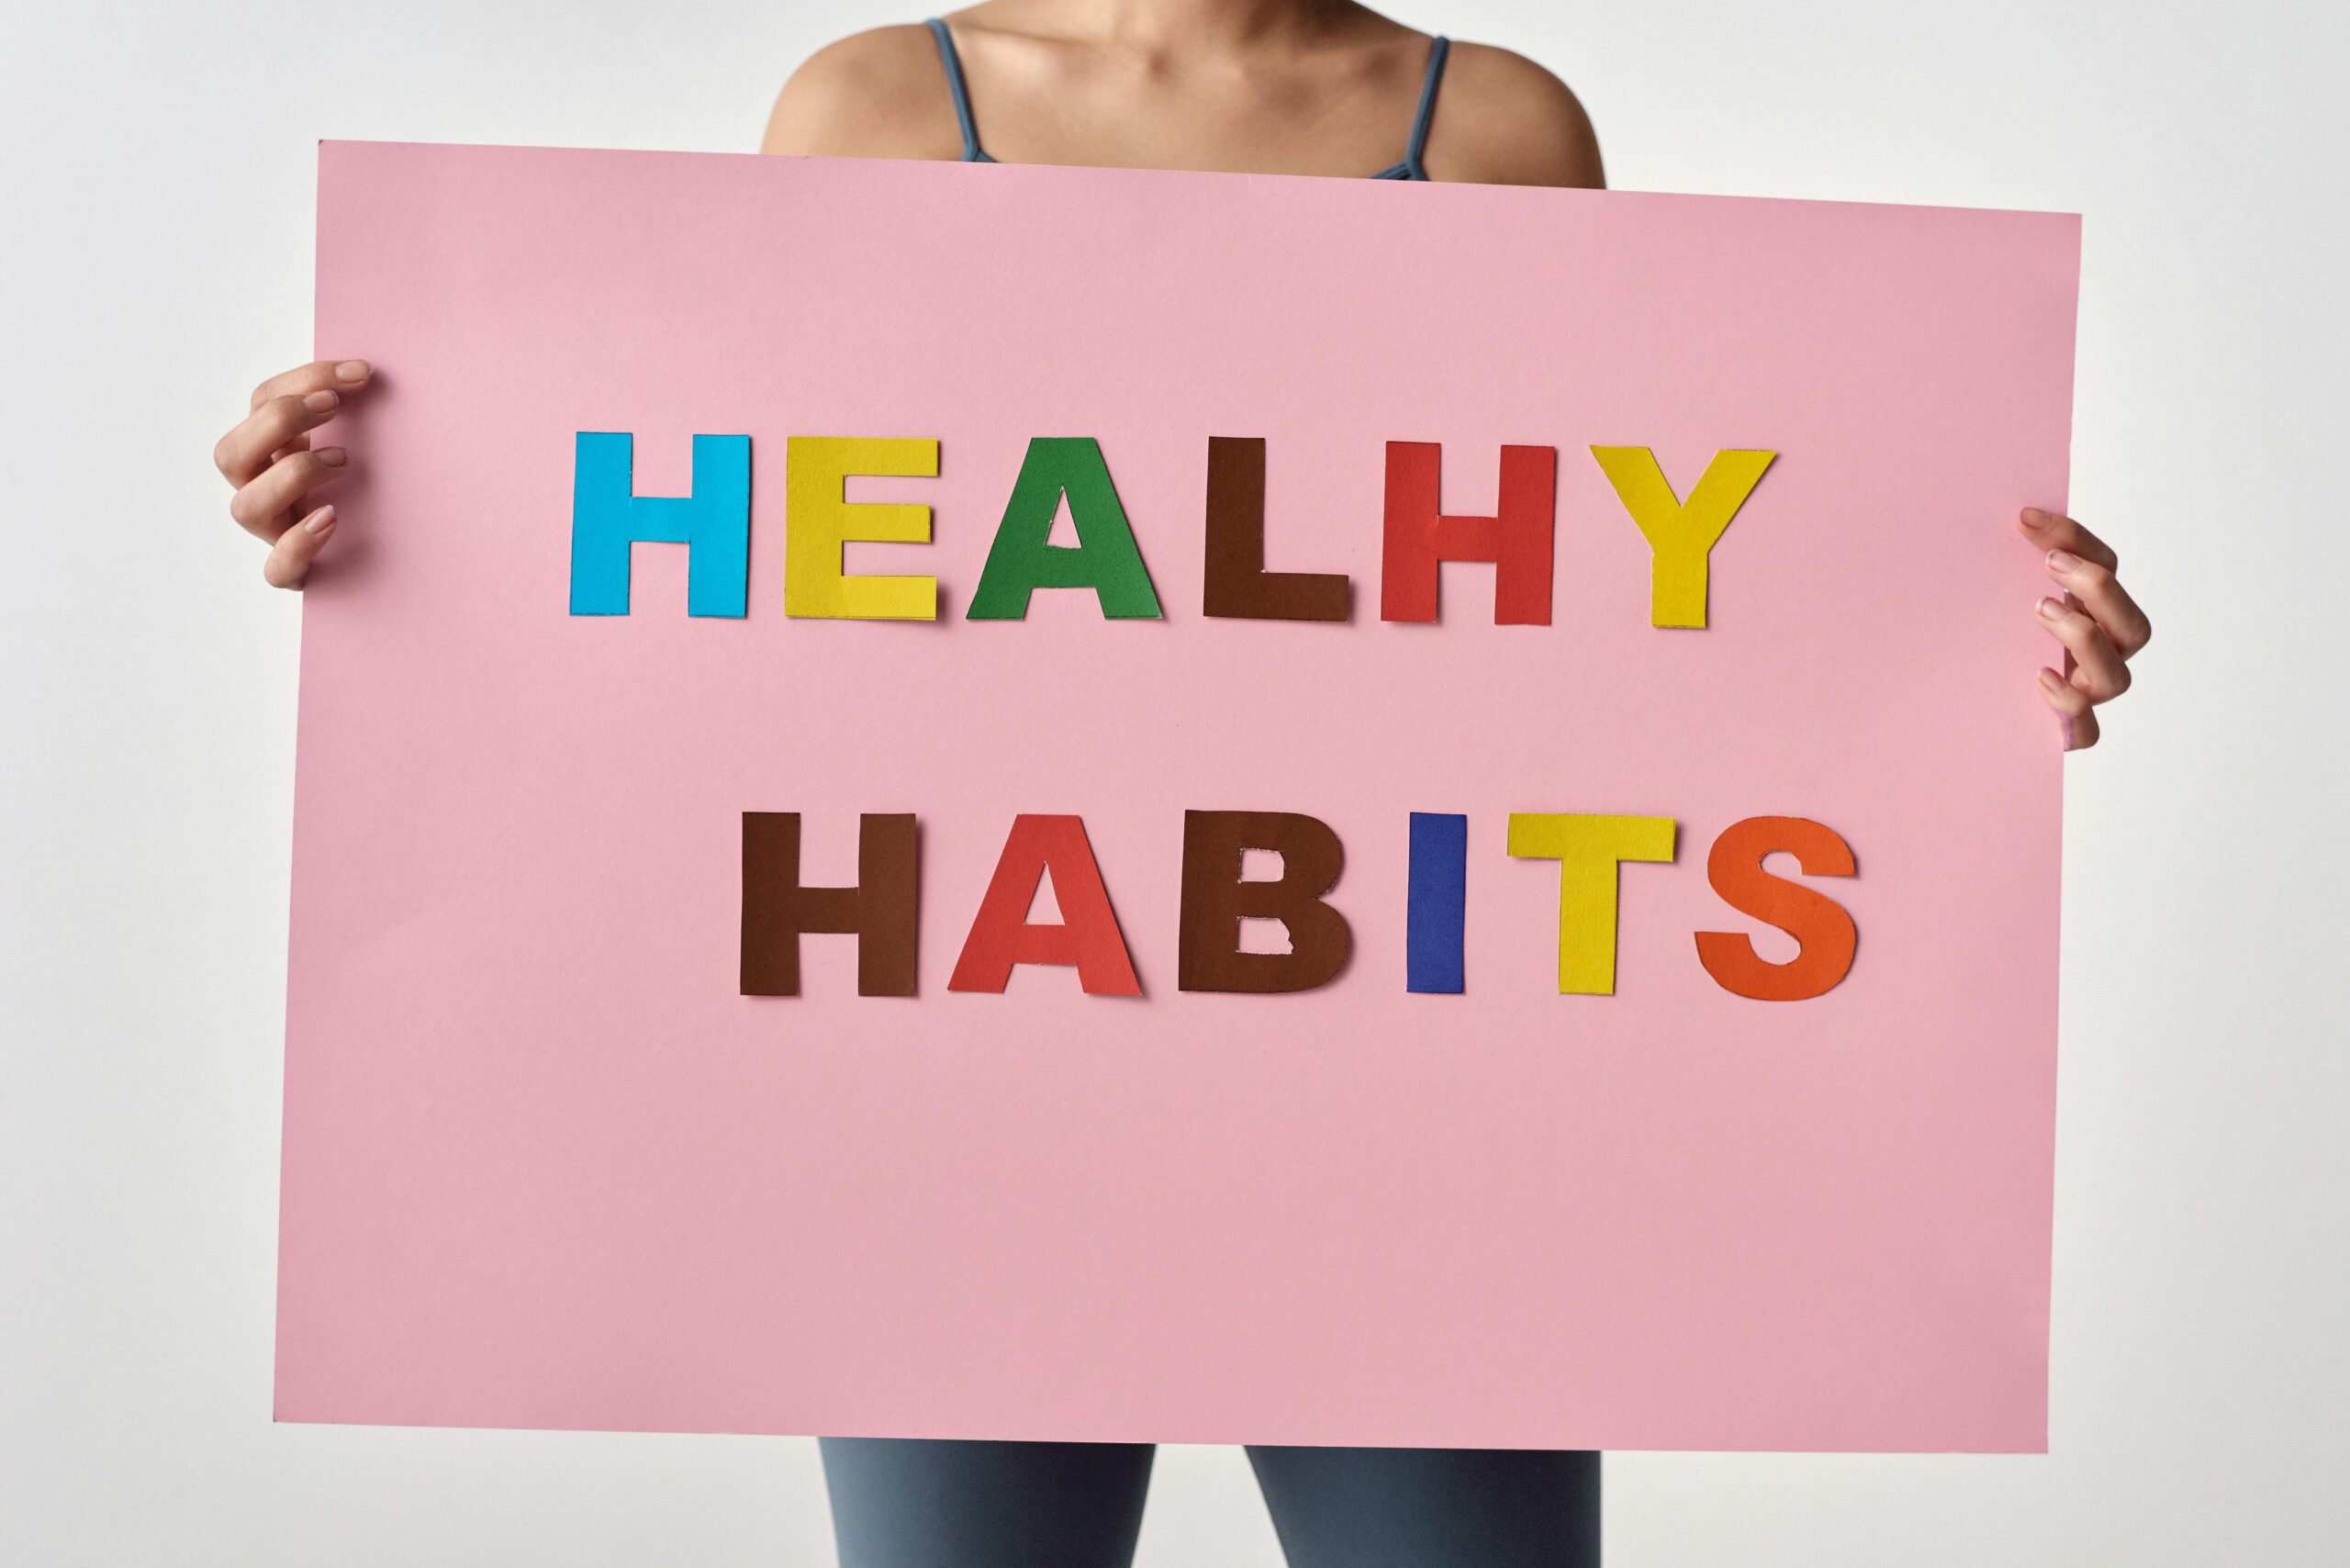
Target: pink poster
1453, 835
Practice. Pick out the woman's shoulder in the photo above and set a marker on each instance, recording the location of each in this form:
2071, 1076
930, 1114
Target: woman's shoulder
1502, 120
878, 93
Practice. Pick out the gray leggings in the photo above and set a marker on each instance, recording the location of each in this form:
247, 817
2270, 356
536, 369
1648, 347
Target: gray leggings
905, 1504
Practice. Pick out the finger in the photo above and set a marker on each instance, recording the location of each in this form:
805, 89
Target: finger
244, 451
289, 559
265, 508
2096, 591
2099, 672
2053, 530
318, 375
2077, 718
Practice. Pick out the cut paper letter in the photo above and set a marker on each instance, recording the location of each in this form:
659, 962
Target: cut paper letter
1436, 903
1588, 849
1417, 538
1822, 927
1216, 900
1088, 936
1681, 534
819, 518
1236, 585
607, 517
881, 910
1106, 557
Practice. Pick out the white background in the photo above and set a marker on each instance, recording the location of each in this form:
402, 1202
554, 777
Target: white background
156, 163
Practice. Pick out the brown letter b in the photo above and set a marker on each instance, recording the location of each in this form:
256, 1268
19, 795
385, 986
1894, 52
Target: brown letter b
1208, 954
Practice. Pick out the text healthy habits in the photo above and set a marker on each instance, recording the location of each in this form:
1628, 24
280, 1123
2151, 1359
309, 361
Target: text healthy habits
880, 909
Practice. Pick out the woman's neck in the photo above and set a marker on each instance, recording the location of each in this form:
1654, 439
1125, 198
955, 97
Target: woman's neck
1192, 26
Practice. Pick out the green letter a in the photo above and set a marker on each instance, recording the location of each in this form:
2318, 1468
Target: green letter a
1104, 558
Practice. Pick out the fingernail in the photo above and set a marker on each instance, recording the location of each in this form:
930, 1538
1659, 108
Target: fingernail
319, 402
2034, 518
2051, 682
2050, 609
353, 371
322, 522
2062, 561
330, 457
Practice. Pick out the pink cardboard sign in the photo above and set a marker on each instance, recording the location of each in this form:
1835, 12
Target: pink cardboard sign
1573, 1111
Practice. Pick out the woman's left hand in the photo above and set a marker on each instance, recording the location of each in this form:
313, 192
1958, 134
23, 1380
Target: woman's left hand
2092, 615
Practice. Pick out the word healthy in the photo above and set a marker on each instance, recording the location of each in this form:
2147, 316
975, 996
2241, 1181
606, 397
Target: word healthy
714, 522
881, 909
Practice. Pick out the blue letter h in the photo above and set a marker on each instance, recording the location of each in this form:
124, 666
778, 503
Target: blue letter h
607, 516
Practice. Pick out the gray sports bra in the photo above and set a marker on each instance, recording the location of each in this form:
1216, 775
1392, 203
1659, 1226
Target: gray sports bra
1407, 168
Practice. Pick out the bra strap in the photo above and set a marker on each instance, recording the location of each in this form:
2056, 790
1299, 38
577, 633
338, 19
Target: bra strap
1438, 48
954, 64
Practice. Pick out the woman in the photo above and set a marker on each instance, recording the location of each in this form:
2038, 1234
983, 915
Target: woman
1289, 86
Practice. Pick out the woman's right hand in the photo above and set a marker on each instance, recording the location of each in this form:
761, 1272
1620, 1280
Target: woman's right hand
269, 459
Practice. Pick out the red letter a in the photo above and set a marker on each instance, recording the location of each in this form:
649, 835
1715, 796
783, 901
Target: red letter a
1001, 936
